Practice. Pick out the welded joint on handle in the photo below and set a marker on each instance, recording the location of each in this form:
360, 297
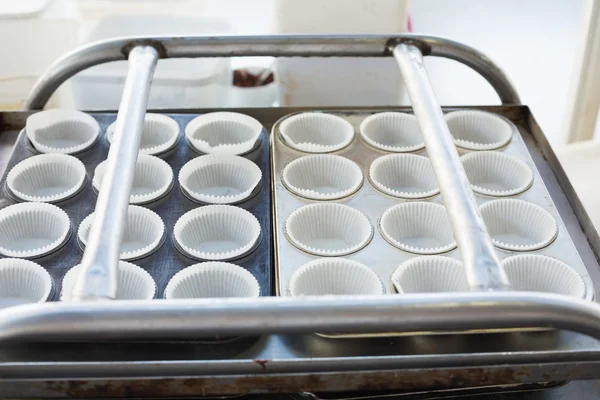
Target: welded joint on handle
160, 48
423, 47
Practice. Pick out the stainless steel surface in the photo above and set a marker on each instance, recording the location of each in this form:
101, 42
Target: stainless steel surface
278, 46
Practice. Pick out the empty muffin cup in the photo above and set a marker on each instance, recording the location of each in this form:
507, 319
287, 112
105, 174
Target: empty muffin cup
46, 178
496, 174
24, 281
210, 280
223, 133
219, 179
392, 131
537, 273
322, 177
334, 276
478, 130
29, 230
159, 134
217, 232
153, 179
62, 131
430, 274
328, 229
518, 225
406, 176
418, 227
133, 283
314, 132
144, 232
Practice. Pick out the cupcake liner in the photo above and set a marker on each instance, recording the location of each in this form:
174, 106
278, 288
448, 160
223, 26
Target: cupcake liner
212, 279
478, 130
133, 283
153, 178
430, 274
159, 134
219, 179
496, 174
334, 276
46, 178
144, 232
537, 273
223, 133
328, 229
314, 132
518, 225
392, 131
217, 232
24, 280
406, 176
322, 177
62, 131
30, 230
418, 227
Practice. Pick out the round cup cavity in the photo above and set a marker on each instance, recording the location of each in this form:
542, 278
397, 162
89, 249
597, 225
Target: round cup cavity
518, 225
217, 232
62, 131
314, 132
219, 179
496, 174
46, 178
24, 281
478, 130
430, 274
29, 230
392, 131
328, 229
406, 176
322, 177
159, 134
418, 227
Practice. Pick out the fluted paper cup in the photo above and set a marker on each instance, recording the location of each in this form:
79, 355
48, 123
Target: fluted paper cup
418, 227
392, 131
328, 229
217, 232
29, 230
159, 134
430, 274
314, 132
518, 225
219, 179
46, 178
153, 179
223, 133
144, 232
322, 177
24, 280
212, 279
62, 131
496, 174
478, 130
407, 176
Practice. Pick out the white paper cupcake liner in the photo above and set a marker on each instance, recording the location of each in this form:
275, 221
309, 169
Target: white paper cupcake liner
46, 178
133, 283
212, 279
537, 273
223, 133
406, 176
478, 130
30, 230
328, 229
144, 232
334, 276
496, 174
418, 227
392, 131
518, 225
219, 179
159, 134
430, 274
316, 132
62, 131
217, 232
24, 280
322, 177
153, 178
